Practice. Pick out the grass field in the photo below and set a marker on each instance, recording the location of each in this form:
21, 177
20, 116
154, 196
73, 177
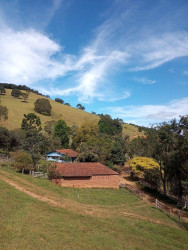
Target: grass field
73, 116
98, 219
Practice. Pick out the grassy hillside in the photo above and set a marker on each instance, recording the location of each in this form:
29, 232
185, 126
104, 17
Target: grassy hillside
17, 108
98, 219
73, 116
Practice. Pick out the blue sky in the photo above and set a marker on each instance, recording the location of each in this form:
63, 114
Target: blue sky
122, 57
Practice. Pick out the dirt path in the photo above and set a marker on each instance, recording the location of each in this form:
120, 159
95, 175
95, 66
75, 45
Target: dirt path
56, 200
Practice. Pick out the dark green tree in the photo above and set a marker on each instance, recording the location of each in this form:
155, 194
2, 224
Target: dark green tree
31, 122
43, 106
79, 106
16, 93
62, 132
109, 126
3, 112
59, 100
118, 151
2, 90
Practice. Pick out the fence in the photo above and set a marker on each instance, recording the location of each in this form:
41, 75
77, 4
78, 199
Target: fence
38, 174
158, 204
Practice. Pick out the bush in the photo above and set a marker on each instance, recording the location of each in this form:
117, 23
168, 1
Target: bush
16, 93
23, 161
43, 106
59, 100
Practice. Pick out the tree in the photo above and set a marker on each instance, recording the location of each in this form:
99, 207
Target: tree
16, 93
25, 96
43, 106
118, 151
59, 100
5, 139
109, 126
31, 122
23, 161
86, 131
3, 112
49, 127
67, 104
145, 169
88, 157
2, 90
35, 143
62, 131
79, 106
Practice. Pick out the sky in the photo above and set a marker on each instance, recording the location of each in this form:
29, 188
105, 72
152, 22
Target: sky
126, 58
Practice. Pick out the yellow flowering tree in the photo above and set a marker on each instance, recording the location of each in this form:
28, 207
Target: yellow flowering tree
146, 169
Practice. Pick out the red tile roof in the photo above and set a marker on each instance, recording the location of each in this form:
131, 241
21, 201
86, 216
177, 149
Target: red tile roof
83, 169
68, 152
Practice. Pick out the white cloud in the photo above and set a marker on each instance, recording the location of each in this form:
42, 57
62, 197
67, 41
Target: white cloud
145, 80
185, 72
149, 114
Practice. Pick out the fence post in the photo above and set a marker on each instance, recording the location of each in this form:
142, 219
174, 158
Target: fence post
156, 202
179, 216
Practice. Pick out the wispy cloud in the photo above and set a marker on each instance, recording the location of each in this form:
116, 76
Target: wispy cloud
185, 72
149, 114
123, 42
145, 80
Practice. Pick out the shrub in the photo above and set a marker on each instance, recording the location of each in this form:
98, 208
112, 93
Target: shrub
43, 106
16, 93
23, 161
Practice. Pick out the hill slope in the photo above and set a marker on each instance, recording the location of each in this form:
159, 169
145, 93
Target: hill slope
17, 108
51, 217
72, 116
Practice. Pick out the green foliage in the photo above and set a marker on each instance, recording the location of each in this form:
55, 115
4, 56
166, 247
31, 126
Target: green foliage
59, 100
109, 126
118, 151
3, 112
79, 106
35, 143
86, 131
16, 93
2, 90
49, 127
146, 169
43, 106
31, 122
87, 157
62, 131
43, 166
25, 95
23, 161
67, 104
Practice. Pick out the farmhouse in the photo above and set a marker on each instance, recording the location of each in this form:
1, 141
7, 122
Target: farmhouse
85, 175
62, 155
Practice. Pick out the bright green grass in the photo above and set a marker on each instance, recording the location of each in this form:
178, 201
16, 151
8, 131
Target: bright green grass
26, 223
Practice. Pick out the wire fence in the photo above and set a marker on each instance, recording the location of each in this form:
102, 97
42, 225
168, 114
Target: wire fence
171, 211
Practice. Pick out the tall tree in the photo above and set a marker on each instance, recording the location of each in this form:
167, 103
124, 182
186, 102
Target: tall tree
31, 122
109, 126
62, 131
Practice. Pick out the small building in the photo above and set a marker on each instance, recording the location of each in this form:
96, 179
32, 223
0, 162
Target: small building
85, 175
62, 155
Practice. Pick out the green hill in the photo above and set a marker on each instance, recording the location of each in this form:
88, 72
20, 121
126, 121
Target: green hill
72, 116
17, 108
51, 217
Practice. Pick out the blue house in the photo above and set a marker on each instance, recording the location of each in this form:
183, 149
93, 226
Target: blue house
62, 155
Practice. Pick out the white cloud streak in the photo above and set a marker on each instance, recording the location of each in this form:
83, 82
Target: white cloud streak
145, 81
149, 114
29, 57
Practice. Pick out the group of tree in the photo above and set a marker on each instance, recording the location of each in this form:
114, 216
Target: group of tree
80, 106
19, 87
19, 94
167, 143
